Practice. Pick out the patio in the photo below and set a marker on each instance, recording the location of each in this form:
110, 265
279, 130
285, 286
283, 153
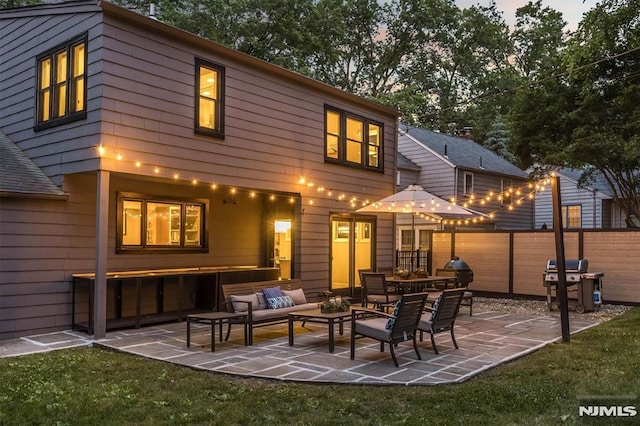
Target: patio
486, 340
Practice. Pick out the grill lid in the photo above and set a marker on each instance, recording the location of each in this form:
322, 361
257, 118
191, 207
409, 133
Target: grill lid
580, 265
456, 263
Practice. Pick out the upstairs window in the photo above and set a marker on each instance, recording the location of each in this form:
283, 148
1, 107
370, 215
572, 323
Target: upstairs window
209, 99
468, 183
352, 140
62, 89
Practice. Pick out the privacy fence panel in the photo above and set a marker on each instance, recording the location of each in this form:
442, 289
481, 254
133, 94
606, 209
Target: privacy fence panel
488, 257
513, 262
617, 254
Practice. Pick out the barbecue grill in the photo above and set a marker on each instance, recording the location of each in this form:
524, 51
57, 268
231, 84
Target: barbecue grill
589, 284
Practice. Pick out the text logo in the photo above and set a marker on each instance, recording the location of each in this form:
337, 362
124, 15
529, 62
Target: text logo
607, 411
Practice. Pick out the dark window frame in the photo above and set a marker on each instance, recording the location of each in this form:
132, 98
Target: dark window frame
169, 249
218, 132
566, 216
70, 79
342, 140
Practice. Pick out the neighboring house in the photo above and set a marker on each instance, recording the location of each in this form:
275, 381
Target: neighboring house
458, 168
128, 144
589, 206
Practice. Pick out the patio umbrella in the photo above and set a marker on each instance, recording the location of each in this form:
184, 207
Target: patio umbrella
413, 200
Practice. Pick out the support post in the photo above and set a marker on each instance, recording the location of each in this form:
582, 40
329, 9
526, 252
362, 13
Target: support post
102, 234
561, 288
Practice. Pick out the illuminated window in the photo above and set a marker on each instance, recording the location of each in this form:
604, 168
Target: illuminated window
62, 84
145, 224
210, 99
352, 140
572, 216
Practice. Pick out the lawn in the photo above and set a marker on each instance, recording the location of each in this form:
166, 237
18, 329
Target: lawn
95, 386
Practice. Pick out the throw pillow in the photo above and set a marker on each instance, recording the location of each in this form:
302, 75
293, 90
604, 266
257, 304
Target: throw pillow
272, 292
297, 296
280, 302
262, 302
435, 307
244, 307
394, 314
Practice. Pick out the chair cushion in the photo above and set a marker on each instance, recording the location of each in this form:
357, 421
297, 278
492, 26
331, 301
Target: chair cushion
374, 327
394, 314
243, 307
296, 295
425, 322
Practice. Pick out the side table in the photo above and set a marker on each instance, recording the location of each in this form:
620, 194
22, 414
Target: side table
218, 318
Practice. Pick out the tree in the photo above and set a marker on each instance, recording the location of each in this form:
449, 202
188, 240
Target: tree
6, 4
497, 141
588, 116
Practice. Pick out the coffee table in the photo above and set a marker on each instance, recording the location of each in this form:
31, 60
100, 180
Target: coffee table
214, 318
318, 317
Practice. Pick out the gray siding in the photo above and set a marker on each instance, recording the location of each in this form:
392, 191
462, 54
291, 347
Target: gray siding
596, 212
441, 177
141, 106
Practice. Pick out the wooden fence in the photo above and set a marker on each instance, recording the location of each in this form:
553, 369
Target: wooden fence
513, 262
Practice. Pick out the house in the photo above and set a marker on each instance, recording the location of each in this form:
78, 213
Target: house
458, 168
587, 206
152, 164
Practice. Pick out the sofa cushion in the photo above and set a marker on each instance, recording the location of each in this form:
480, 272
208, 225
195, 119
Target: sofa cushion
280, 314
296, 295
244, 307
262, 302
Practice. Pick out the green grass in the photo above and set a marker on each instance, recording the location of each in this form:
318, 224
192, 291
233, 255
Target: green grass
92, 386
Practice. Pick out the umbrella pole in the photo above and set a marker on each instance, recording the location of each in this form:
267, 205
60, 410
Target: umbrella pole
413, 239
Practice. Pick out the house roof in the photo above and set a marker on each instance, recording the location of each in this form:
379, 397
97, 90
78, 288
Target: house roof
405, 163
463, 153
20, 177
598, 183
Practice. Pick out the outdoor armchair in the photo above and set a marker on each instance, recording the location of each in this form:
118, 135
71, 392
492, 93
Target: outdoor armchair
441, 316
376, 291
389, 328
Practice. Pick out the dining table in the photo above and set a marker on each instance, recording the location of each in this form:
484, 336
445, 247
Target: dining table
417, 284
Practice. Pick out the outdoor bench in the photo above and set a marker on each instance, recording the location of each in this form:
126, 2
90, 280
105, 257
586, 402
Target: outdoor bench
249, 298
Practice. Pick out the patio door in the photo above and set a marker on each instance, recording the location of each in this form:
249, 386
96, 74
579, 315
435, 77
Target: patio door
352, 249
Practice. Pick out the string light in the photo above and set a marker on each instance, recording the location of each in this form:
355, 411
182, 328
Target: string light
501, 196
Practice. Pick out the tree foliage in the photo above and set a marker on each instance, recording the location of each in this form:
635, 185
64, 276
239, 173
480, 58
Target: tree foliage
588, 115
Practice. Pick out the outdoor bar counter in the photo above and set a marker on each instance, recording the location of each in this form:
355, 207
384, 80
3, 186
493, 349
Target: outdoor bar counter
136, 298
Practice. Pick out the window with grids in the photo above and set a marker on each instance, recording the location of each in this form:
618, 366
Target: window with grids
353, 140
61, 79
468, 183
572, 216
147, 223
209, 99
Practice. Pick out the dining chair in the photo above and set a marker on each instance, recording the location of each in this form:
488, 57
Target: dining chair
441, 316
376, 291
467, 297
393, 328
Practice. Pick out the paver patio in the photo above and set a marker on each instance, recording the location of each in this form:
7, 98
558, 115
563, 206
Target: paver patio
486, 340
